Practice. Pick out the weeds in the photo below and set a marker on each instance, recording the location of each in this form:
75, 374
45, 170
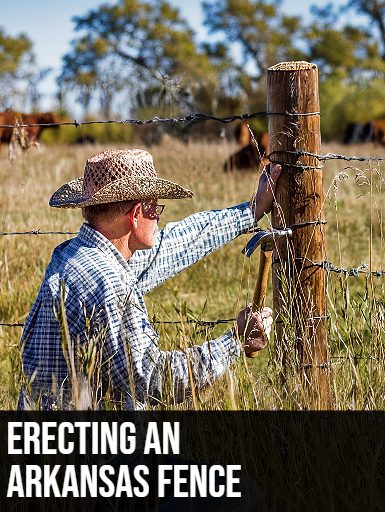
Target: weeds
214, 288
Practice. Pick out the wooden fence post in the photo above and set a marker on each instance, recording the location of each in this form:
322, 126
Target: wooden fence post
299, 287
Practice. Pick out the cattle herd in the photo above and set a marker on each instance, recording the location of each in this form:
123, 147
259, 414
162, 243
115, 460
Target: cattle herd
24, 130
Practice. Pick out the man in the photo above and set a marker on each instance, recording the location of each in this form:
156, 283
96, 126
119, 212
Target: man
91, 302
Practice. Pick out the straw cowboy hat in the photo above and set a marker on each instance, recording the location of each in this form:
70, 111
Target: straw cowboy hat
117, 175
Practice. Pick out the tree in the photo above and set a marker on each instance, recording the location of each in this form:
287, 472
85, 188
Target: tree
375, 11
351, 70
263, 34
33, 80
138, 45
349, 51
16, 59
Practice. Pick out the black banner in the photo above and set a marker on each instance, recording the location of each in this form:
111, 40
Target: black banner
198, 461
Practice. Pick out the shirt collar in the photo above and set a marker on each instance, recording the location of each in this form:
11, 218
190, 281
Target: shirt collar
92, 238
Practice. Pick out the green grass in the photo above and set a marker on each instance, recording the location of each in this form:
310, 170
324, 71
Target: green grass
220, 285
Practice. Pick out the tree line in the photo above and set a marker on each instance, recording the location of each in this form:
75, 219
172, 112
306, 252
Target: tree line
144, 57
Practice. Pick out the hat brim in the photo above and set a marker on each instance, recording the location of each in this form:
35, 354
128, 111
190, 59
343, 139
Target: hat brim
134, 188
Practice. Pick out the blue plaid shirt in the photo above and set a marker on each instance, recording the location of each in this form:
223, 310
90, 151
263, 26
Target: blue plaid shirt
104, 296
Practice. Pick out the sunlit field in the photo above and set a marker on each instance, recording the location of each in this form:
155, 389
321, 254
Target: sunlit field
221, 284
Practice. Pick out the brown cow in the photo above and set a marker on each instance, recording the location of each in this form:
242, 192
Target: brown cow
26, 136
249, 157
379, 131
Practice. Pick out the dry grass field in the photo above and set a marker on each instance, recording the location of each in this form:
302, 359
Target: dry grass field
220, 285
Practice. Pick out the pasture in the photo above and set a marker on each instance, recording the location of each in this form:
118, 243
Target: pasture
220, 285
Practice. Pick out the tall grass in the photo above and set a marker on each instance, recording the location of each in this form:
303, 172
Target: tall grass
222, 283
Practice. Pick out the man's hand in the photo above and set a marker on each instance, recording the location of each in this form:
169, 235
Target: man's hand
263, 200
254, 328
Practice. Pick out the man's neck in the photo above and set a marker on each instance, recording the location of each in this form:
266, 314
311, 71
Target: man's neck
117, 237
122, 244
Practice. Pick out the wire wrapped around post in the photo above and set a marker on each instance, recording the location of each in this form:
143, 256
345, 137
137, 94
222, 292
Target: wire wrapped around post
299, 292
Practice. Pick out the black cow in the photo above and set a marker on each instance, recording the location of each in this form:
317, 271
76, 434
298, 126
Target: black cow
359, 132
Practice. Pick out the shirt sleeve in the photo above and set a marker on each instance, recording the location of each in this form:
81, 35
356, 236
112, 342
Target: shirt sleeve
141, 371
207, 362
180, 244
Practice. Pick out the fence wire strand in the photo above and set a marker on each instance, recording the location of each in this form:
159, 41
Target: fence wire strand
166, 120
348, 272
37, 232
210, 324
324, 158
195, 117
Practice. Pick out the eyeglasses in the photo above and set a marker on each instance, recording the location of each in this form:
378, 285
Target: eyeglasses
159, 208
151, 210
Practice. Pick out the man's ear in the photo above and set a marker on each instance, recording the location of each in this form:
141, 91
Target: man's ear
134, 215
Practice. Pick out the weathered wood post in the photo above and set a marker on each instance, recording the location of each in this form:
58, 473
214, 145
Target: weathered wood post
299, 287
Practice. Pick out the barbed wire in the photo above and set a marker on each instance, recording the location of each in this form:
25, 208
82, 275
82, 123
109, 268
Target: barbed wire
338, 156
348, 272
195, 117
325, 264
40, 232
211, 324
168, 120
329, 267
202, 323
37, 232
324, 158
